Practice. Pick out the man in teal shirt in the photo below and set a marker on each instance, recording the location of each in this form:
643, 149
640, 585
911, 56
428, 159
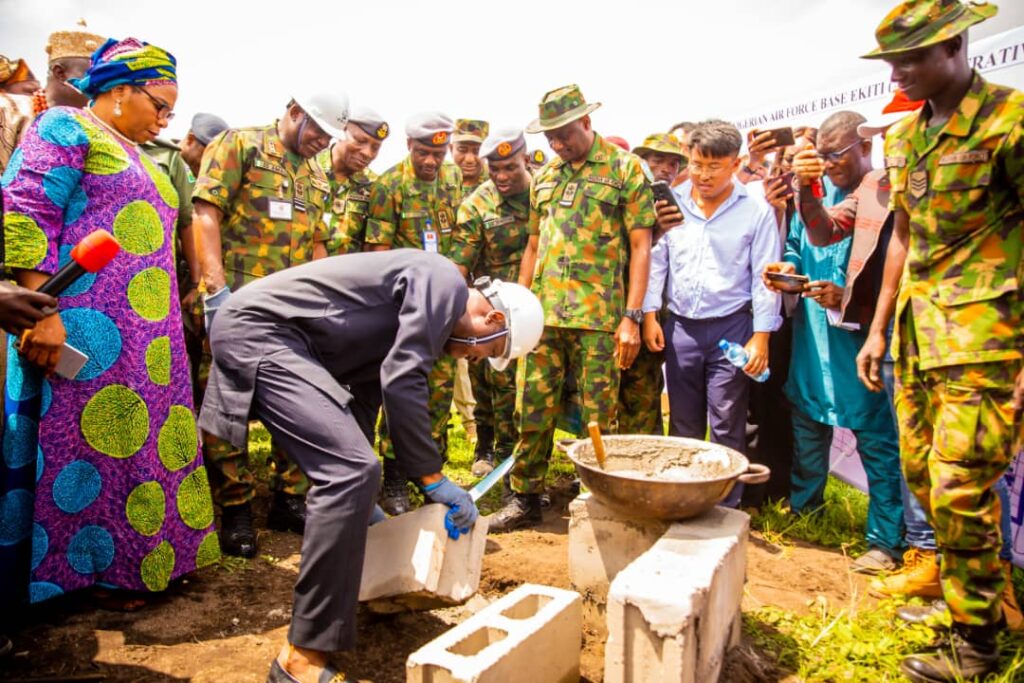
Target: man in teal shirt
822, 384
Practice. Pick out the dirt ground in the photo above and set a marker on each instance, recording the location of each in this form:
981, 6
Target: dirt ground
227, 622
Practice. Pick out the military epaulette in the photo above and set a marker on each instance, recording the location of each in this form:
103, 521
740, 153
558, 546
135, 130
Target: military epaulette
320, 184
895, 162
545, 186
976, 156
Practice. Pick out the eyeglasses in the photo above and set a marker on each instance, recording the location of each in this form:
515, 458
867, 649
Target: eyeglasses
836, 156
163, 110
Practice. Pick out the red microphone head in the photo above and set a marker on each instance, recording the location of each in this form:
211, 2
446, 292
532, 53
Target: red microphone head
95, 250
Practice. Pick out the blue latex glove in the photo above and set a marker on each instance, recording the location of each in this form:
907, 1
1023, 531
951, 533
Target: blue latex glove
212, 302
463, 512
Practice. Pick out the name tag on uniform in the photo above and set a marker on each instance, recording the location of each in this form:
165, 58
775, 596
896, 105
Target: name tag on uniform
279, 210
569, 194
498, 222
430, 241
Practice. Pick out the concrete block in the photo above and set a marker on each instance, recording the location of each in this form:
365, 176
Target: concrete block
601, 544
534, 633
673, 613
412, 564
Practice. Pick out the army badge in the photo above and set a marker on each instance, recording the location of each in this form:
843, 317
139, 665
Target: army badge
569, 195
504, 149
538, 156
918, 183
439, 138
382, 131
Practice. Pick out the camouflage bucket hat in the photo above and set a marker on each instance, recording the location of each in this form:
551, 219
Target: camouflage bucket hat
664, 143
559, 107
919, 23
469, 130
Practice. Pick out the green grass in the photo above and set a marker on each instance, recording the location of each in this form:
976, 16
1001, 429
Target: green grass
855, 642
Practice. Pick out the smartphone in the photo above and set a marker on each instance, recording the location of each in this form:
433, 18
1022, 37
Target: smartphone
789, 282
783, 136
71, 362
663, 191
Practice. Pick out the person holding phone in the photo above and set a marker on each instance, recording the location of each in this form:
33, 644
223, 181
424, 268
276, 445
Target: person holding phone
822, 385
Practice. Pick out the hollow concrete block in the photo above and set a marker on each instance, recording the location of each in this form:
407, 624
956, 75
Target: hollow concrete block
674, 612
533, 633
411, 563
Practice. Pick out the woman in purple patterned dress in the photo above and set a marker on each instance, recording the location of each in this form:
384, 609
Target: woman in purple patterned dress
102, 481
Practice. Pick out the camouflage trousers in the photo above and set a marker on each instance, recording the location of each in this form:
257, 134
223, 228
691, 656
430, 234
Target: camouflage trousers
232, 481
441, 383
957, 431
640, 395
590, 357
495, 393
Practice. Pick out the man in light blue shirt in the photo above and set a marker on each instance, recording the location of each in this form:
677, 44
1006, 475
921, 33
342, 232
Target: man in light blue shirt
711, 259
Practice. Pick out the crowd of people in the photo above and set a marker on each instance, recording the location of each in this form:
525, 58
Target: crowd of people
777, 287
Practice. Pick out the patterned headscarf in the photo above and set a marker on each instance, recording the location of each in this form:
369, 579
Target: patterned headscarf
126, 62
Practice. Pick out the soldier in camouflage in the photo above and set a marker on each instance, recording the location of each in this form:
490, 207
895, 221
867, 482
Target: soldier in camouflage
346, 164
491, 232
258, 203
957, 173
413, 205
641, 385
589, 208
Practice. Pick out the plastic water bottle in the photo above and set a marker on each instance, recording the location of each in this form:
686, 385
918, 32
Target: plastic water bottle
737, 355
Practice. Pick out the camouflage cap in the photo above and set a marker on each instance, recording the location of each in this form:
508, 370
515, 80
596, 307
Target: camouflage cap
430, 128
919, 23
63, 44
665, 143
206, 127
503, 144
538, 156
469, 130
370, 122
559, 107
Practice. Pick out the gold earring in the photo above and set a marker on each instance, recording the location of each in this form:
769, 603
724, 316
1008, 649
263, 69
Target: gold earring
117, 108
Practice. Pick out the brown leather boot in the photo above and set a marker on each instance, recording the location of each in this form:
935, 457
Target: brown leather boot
1011, 610
919, 577
970, 654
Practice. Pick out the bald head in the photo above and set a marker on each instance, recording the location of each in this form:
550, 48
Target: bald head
843, 124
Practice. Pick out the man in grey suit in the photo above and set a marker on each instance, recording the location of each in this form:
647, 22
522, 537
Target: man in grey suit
312, 351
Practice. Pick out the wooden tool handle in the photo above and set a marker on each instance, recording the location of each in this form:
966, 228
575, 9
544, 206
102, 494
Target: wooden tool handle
595, 437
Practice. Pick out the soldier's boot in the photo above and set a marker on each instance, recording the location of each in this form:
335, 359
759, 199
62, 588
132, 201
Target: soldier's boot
919, 577
394, 495
521, 510
1011, 610
971, 654
287, 513
484, 462
236, 534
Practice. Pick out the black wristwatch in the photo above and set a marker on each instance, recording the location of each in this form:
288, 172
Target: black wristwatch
634, 314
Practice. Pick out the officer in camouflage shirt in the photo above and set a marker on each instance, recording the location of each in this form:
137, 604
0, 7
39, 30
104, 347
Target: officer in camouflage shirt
957, 173
591, 214
469, 134
259, 202
347, 166
491, 233
412, 206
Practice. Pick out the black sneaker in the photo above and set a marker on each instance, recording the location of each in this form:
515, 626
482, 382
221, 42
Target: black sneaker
236, 535
521, 510
287, 513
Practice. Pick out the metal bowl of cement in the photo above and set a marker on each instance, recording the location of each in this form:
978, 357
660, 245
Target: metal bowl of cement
661, 477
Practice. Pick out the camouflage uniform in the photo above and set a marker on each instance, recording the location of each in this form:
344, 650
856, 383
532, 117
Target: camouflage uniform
347, 209
958, 335
247, 173
400, 206
583, 218
490, 236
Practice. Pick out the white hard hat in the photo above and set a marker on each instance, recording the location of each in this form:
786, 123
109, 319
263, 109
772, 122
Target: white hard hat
524, 318
329, 110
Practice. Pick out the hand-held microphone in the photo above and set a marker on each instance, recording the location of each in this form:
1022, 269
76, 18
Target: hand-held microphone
88, 256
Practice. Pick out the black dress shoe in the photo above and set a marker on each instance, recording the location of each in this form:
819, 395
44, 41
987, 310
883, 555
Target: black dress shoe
287, 513
236, 535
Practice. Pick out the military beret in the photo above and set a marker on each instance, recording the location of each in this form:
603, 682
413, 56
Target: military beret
206, 127
370, 122
469, 130
431, 128
502, 144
